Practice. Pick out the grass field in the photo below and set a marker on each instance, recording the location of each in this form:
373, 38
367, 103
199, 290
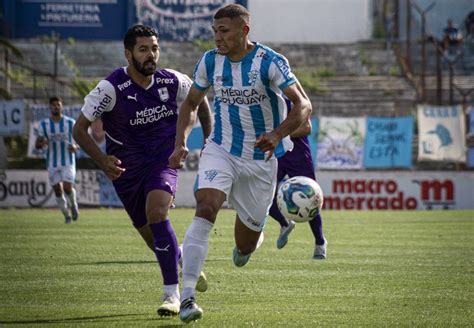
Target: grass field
407, 269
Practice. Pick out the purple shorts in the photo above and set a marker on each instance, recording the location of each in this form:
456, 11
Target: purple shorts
133, 188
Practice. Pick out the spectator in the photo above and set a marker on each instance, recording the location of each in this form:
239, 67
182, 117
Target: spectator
452, 37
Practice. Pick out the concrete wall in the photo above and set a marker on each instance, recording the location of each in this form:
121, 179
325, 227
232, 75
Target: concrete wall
310, 21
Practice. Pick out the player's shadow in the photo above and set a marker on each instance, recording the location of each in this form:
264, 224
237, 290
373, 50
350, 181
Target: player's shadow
120, 319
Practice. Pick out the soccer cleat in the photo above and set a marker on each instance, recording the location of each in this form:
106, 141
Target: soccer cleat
201, 285
75, 213
169, 307
189, 310
239, 259
320, 251
67, 219
284, 233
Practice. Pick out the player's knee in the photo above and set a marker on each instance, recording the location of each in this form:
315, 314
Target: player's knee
206, 210
157, 214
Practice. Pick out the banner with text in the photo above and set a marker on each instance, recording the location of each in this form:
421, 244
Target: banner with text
341, 143
12, 117
31, 188
386, 190
388, 142
441, 133
181, 20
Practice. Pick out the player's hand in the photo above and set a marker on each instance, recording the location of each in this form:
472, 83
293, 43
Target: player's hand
267, 143
111, 167
177, 158
73, 148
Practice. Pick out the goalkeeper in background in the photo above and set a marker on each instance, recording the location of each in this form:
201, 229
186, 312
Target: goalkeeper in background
55, 133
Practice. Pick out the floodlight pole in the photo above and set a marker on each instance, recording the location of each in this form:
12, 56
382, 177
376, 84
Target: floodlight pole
423, 46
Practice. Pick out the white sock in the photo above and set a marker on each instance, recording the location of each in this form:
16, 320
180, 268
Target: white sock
71, 198
195, 247
62, 205
171, 290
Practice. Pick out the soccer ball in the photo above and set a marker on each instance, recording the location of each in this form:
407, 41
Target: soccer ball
299, 199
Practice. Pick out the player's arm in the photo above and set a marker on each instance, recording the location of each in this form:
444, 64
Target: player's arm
40, 142
80, 132
205, 117
186, 119
299, 114
305, 128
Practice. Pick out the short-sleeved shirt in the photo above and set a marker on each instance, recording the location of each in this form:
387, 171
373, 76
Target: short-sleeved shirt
248, 98
139, 124
59, 136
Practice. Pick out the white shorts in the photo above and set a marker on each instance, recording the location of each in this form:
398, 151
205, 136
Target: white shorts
62, 173
248, 184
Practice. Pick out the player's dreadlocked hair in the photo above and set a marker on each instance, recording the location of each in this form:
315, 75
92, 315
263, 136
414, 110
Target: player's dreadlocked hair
133, 32
233, 11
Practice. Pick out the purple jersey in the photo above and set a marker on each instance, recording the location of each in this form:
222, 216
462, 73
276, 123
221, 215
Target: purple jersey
139, 124
140, 129
299, 160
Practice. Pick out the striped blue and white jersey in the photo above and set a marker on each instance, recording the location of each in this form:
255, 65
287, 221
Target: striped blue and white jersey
248, 98
59, 136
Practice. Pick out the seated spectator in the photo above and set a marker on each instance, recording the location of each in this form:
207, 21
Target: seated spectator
452, 37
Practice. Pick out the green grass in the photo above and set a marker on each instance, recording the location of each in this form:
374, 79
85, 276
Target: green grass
384, 269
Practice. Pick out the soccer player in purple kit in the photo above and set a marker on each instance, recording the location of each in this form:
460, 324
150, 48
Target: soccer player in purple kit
138, 105
298, 162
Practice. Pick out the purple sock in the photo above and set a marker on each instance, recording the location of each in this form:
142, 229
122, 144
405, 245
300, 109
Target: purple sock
166, 250
276, 214
316, 225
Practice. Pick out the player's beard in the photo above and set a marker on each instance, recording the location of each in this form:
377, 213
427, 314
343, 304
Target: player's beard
143, 68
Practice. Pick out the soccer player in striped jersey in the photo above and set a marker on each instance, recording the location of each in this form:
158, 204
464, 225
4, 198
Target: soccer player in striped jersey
251, 129
138, 105
55, 133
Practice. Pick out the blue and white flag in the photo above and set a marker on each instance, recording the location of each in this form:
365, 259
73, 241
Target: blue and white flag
388, 142
341, 143
441, 133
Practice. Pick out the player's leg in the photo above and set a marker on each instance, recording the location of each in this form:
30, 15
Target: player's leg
195, 248
68, 177
55, 180
320, 248
251, 196
246, 242
166, 248
213, 183
286, 226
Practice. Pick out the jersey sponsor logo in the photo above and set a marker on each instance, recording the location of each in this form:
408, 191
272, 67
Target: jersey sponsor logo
246, 96
284, 68
164, 80
132, 97
98, 110
124, 85
150, 115
163, 93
